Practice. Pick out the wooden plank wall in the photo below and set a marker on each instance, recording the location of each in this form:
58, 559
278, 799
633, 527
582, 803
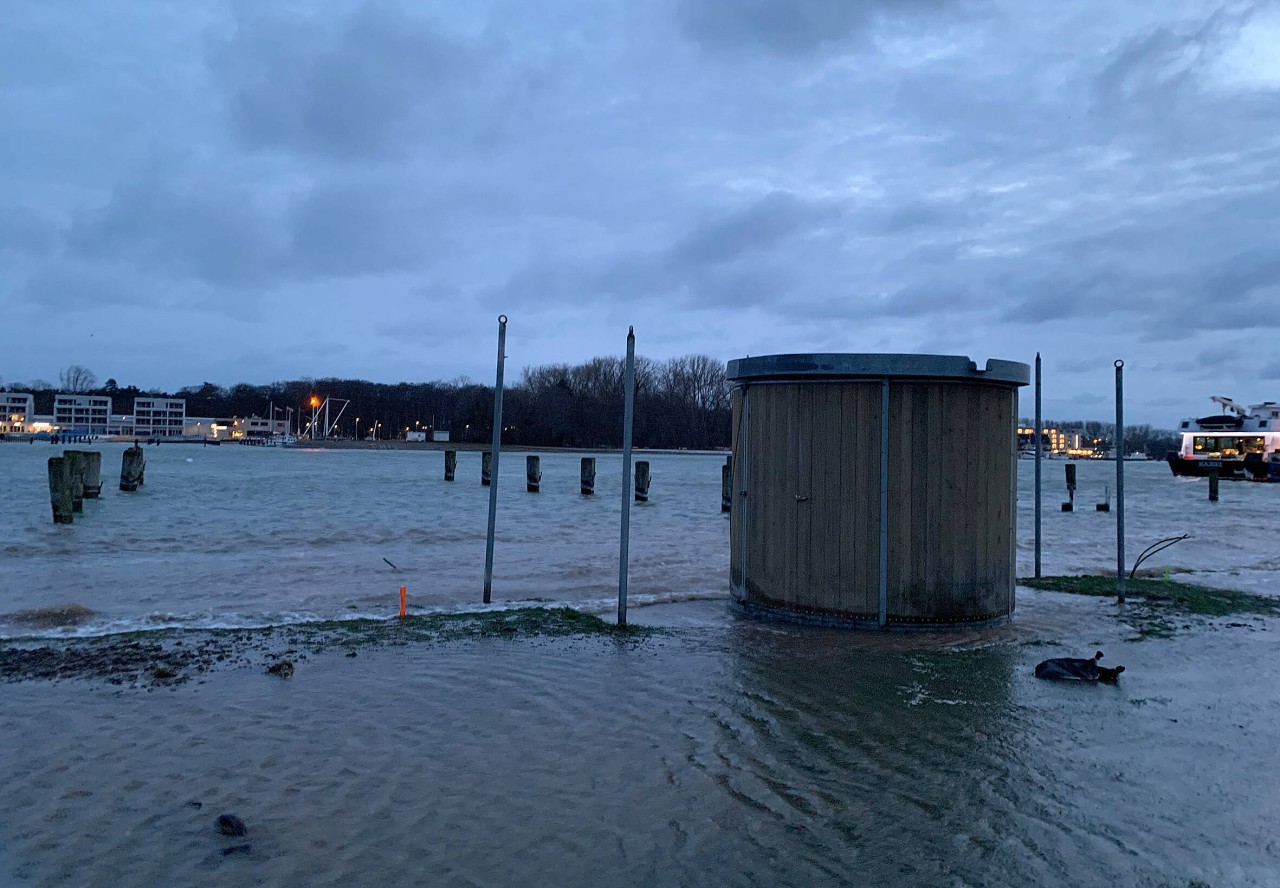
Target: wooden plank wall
810, 457
950, 501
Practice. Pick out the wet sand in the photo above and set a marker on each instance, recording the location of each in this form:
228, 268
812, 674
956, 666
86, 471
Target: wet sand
720, 752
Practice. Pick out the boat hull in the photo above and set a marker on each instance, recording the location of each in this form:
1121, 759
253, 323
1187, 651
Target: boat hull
1228, 469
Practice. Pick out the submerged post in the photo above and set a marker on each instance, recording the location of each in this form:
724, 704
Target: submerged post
587, 483
642, 481
533, 473
1120, 481
60, 490
75, 469
450, 464
497, 450
1213, 485
132, 467
92, 474
486, 467
1071, 488
628, 406
726, 487
1039, 455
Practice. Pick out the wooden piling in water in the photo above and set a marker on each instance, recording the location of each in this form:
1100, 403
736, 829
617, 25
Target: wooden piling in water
533, 473
75, 470
450, 464
60, 490
726, 487
1213, 486
92, 474
587, 484
486, 468
1071, 488
642, 481
132, 468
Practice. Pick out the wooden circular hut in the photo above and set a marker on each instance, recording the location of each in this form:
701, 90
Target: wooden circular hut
874, 490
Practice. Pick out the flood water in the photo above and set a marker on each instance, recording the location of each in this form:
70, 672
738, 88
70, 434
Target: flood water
724, 752
231, 536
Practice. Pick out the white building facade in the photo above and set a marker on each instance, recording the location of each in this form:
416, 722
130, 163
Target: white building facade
159, 417
82, 414
16, 410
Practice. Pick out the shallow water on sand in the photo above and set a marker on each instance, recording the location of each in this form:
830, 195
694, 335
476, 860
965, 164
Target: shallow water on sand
727, 753
232, 536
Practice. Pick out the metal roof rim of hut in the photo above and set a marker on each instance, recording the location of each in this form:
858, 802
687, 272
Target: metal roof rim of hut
827, 366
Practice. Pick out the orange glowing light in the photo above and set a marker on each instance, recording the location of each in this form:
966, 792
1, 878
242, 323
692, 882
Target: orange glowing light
315, 402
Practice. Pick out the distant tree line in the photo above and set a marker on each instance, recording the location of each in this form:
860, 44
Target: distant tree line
680, 403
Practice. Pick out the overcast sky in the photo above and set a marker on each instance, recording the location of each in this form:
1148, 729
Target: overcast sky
255, 191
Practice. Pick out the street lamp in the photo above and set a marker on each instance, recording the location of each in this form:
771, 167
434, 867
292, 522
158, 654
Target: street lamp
357, 428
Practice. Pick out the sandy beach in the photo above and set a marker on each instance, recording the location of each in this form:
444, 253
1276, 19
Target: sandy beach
719, 751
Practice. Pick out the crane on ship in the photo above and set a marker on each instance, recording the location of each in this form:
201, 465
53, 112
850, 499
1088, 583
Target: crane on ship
1229, 404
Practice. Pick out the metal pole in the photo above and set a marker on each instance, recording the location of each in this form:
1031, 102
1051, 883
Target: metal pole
884, 504
497, 451
1120, 481
1039, 447
628, 401
741, 464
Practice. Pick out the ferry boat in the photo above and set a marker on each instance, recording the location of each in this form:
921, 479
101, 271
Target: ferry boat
1237, 443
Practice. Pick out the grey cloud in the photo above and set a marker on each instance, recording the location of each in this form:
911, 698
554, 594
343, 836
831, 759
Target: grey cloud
74, 286
221, 235
1241, 275
1270, 370
350, 228
763, 225
353, 89
28, 231
790, 27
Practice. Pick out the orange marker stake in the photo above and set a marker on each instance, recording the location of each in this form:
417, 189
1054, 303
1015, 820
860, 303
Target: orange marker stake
402, 600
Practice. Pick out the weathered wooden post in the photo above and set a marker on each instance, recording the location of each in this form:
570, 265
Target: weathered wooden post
642, 481
450, 464
533, 473
726, 487
1213, 486
92, 474
132, 467
587, 484
60, 490
75, 469
1071, 488
486, 468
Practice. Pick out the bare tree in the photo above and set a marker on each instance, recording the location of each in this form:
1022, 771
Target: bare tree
77, 379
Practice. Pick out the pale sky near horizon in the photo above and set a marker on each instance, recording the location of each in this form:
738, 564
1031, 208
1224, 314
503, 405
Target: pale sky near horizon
247, 192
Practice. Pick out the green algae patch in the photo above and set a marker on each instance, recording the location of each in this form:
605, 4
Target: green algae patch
1172, 595
527, 622
153, 657
56, 617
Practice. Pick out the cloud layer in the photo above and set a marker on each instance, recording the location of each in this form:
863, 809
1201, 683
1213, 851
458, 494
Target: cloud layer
358, 189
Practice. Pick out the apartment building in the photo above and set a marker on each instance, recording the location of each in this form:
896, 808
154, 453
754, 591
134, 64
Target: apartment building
159, 417
16, 410
82, 414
